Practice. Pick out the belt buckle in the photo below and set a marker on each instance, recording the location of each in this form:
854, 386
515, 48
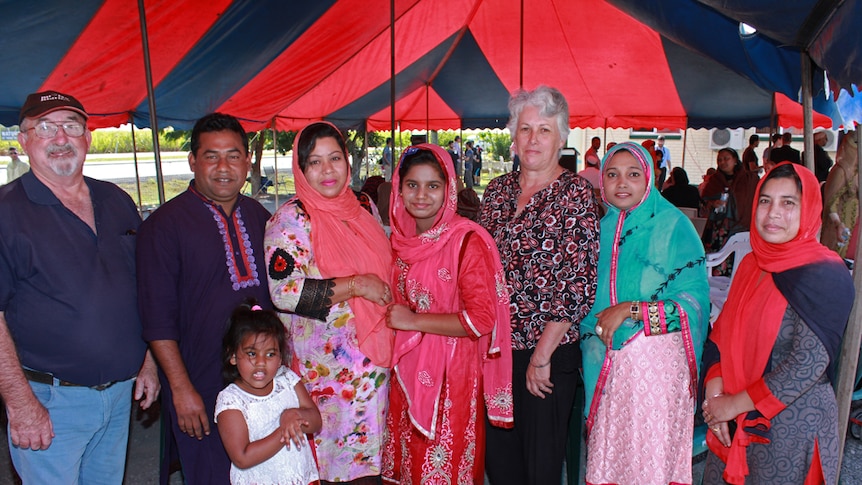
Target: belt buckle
102, 387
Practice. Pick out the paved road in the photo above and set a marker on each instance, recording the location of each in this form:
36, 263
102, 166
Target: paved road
117, 167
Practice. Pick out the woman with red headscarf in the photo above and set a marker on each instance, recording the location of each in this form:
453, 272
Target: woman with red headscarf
452, 361
771, 357
328, 263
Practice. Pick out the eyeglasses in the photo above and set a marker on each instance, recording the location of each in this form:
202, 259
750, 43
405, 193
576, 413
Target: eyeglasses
49, 129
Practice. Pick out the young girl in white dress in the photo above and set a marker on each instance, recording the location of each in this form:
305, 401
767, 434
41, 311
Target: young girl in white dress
264, 415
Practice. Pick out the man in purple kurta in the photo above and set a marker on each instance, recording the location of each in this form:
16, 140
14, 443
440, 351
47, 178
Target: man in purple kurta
198, 258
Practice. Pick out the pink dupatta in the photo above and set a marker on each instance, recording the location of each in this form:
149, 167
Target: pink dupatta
431, 259
347, 240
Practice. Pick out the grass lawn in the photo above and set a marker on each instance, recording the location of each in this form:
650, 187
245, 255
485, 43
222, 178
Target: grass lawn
173, 187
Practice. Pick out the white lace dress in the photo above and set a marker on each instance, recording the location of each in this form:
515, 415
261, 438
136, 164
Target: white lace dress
262, 413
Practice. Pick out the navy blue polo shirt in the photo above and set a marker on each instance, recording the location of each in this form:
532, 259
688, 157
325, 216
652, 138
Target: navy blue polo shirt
69, 294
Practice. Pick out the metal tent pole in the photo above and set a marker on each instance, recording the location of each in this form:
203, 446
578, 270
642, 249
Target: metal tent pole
848, 359
367, 151
521, 50
151, 98
137, 173
274, 160
807, 112
684, 146
387, 175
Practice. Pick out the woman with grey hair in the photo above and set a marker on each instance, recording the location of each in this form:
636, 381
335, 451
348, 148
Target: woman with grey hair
545, 223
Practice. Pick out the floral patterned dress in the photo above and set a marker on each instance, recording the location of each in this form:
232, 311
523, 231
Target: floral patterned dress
349, 390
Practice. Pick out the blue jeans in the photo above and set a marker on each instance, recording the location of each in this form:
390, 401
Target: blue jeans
91, 433
468, 175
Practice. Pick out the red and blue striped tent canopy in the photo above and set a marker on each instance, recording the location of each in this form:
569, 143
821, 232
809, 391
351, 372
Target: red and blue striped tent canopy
666, 64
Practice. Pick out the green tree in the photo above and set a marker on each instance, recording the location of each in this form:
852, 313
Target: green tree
495, 144
260, 141
178, 138
285, 141
355, 141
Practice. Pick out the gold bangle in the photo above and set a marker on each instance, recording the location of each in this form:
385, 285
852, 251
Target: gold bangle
351, 287
654, 321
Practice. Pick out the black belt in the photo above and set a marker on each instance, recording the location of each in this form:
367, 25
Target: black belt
45, 378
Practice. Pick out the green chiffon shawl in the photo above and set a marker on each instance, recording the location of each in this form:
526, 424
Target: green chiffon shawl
659, 257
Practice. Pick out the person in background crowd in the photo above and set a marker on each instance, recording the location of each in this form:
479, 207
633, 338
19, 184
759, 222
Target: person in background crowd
727, 200
705, 179
785, 153
453, 356
329, 263
70, 335
749, 156
591, 165
664, 162
370, 187
680, 193
458, 155
469, 161
650, 148
477, 168
516, 160
591, 156
468, 204
642, 340
477, 163
383, 192
841, 199
822, 160
16, 167
198, 259
544, 220
451, 151
386, 161
776, 143
659, 160
771, 358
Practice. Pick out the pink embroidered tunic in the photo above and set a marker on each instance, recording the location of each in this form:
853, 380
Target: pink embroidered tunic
445, 386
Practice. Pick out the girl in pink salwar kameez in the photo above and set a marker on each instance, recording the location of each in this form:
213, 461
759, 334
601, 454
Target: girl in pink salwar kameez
452, 358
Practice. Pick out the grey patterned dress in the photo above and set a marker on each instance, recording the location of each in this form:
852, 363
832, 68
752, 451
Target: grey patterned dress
798, 379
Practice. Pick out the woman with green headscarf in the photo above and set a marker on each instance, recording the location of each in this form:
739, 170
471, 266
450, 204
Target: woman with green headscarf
642, 341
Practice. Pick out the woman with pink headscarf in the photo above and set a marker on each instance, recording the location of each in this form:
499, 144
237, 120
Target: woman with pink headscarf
328, 262
452, 361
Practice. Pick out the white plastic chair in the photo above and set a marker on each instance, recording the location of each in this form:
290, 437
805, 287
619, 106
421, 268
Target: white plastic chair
739, 245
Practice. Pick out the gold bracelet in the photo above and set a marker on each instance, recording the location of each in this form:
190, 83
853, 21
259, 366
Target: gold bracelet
654, 321
351, 287
635, 310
